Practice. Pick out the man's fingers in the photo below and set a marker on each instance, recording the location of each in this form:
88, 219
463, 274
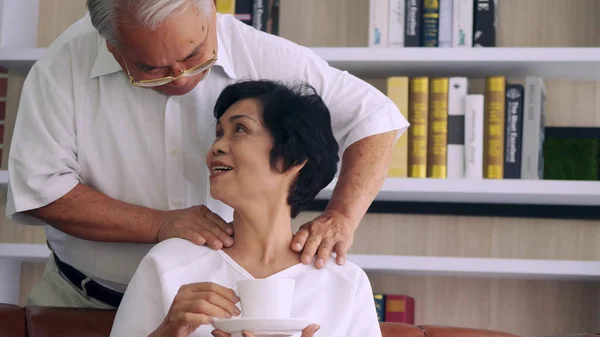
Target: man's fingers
310, 330
190, 235
341, 249
310, 248
220, 234
300, 239
212, 240
324, 252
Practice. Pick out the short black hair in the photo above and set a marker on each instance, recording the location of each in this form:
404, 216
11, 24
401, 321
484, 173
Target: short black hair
300, 123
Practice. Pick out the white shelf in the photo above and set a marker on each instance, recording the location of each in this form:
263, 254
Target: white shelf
564, 63
480, 267
24, 252
20, 59
489, 191
409, 265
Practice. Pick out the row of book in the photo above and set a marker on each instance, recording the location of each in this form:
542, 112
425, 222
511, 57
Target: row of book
432, 23
456, 134
260, 14
395, 308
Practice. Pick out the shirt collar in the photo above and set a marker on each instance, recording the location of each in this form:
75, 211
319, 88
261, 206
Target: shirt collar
106, 64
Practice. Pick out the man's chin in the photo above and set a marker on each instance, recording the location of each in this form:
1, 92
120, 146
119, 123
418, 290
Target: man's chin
174, 91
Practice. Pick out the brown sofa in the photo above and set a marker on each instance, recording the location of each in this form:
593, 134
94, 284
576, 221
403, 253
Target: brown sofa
16, 321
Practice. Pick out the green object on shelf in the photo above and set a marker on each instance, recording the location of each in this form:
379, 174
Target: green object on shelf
571, 158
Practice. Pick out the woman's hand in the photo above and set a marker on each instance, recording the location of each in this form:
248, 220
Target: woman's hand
196, 304
309, 331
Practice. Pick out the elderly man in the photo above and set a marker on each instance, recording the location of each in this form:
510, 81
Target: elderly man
113, 123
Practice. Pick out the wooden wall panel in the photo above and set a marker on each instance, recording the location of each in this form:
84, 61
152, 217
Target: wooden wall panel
530, 308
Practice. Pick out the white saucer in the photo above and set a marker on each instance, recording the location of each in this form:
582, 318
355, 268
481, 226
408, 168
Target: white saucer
258, 326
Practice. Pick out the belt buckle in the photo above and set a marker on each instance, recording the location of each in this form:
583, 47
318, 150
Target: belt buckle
83, 283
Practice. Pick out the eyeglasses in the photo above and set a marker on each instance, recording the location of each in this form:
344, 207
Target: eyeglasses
164, 80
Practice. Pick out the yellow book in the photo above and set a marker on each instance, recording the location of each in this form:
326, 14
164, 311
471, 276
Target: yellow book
417, 132
226, 6
437, 142
493, 127
397, 91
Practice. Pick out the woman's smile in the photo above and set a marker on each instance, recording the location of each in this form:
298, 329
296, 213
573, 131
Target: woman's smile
218, 168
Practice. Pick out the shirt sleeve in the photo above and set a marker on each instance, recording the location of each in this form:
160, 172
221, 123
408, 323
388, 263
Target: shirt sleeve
42, 164
141, 310
364, 314
358, 109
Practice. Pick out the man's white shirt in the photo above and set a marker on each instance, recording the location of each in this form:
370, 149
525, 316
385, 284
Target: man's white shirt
338, 298
81, 121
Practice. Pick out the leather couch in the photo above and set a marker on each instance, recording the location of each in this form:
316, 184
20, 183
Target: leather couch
16, 321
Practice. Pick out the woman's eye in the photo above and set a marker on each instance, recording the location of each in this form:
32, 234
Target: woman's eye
219, 134
239, 128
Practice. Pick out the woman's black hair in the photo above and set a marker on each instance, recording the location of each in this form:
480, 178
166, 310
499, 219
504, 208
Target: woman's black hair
300, 124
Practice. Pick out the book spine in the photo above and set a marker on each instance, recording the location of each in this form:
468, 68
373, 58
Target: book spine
400, 309
397, 10
243, 11
397, 91
458, 90
380, 306
484, 18
445, 26
259, 15
273, 20
513, 137
493, 137
225, 6
417, 133
533, 129
378, 23
474, 106
437, 142
412, 29
431, 22
462, 24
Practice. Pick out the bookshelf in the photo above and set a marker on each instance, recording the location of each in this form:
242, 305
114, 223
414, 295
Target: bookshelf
561, 63
488, 191
12, 255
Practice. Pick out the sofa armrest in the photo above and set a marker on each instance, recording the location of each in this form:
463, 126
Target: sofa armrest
400, 330
69, 322
13, 321
447, 331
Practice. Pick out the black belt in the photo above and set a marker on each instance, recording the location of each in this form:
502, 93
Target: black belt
90, 287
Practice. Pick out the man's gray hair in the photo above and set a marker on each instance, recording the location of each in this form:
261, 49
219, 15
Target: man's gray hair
148, 13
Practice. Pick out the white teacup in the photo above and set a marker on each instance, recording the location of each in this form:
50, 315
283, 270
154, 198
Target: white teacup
266, 298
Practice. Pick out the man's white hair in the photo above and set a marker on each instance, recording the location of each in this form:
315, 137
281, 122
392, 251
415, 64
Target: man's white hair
148, 13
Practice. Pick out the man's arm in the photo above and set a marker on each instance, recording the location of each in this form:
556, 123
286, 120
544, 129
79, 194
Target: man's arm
364, 168
90, 215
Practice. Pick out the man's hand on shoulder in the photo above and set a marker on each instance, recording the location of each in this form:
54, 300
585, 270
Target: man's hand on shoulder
327, 233
197, 224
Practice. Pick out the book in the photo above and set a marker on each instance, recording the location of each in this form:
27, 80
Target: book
397, 91
474, 106
457, 95
437, 133
493, 127
417, 132
532, 164
430, 23
412, 28
513, 135
397, 10
378, 23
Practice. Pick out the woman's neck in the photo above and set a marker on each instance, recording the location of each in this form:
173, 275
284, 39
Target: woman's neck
262, 240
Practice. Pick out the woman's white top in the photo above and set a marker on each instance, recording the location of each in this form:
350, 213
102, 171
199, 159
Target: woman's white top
338, 298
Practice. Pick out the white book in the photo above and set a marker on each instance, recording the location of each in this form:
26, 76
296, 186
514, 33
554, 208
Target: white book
462, 24
397, 10
474, 136
532, 155
458, 88
445, 25
378, 23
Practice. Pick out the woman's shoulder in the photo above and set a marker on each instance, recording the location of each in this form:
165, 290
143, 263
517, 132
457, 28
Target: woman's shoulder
349, 272
176, 252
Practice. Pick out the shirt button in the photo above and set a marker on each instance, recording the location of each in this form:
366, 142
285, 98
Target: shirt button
176, 202
174, 151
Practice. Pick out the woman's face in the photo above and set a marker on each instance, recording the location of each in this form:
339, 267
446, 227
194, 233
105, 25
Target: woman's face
238, 160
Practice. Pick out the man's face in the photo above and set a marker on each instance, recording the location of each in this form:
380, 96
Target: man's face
183, 41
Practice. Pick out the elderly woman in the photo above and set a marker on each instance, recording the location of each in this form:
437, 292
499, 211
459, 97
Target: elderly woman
274, 151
